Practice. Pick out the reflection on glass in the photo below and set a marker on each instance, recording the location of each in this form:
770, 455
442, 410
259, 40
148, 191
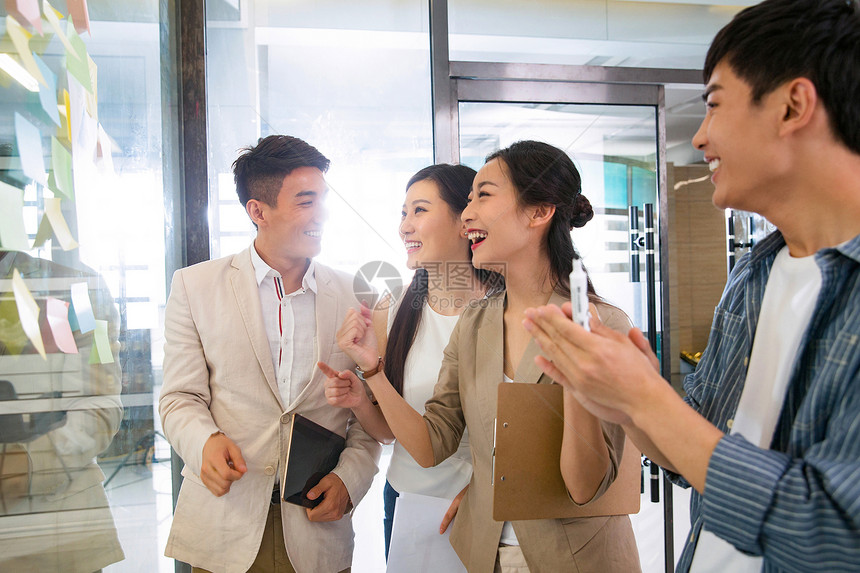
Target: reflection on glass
56, 415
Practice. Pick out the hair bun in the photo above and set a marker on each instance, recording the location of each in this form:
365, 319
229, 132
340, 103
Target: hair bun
582, 211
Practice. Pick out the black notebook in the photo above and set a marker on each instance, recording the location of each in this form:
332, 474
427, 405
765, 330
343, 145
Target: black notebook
312, 452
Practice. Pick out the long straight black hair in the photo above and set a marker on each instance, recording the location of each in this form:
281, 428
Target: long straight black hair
454, 183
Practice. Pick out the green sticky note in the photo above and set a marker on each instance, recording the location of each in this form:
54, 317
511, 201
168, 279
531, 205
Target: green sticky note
13, 237
78, 63
101, 353
61, 160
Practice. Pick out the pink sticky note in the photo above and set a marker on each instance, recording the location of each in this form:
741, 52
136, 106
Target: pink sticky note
26, 12
58, 319
80, 15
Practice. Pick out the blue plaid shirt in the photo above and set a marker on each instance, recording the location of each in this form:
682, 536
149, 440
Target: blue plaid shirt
798, 503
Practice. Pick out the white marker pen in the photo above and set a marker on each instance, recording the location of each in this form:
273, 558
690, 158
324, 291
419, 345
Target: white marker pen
579, 294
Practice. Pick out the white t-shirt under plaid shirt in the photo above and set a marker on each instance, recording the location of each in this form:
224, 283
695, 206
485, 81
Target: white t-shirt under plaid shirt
290, 321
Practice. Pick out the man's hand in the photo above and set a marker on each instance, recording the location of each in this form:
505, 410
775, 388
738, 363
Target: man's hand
343, 389
607, 372
335, 501
452, 510
357, 338
222, 464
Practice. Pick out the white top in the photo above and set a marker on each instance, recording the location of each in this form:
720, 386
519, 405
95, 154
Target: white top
419, 378
786, 309
291, 326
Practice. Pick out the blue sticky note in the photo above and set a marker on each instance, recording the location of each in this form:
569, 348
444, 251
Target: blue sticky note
48, 95
30, 149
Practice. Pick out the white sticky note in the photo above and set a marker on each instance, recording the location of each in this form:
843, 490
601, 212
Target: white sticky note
58, 319
21, 40
105, 151
28, 312
30, 149
13, 237
82, 307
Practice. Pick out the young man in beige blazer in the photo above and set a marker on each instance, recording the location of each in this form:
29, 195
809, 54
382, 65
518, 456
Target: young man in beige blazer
243, 335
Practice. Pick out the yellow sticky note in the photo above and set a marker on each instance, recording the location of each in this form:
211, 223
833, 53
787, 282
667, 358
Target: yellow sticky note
68, 117
21, 39
58, 320
53, 18
54, 223
28, 312
93, 95
101, 353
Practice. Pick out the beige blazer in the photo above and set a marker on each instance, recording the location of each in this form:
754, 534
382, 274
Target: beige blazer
218, 375
465, 395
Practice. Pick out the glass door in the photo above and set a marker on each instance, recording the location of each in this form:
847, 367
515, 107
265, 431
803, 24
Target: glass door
615, 134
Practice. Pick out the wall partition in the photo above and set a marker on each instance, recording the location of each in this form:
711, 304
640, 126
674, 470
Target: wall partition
88, 239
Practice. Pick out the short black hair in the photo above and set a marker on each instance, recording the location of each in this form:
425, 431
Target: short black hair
259, 170
776, 41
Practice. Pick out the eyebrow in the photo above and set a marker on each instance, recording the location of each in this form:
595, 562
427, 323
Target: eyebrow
482, 183
301, 194
709, 90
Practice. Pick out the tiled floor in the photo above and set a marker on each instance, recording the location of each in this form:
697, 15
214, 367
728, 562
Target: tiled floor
140, 496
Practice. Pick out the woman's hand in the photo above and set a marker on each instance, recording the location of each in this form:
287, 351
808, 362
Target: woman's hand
343, 389
452, 510
357, 338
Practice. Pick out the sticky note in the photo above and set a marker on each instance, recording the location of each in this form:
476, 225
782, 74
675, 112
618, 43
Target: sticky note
26, 11
53, 223
61, 160
82, 307
93, 95
53, 18
58, 320
30, 149
48, 94
80, 15
13, 237
68, 114
21, 39
105, 150
101, 353
28, 312
78, 64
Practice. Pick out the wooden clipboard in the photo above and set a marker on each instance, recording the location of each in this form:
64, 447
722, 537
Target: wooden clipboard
527, 482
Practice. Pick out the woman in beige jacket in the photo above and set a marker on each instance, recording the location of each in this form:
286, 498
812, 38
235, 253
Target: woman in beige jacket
524, 202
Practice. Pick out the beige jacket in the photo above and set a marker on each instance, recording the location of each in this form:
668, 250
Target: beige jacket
218, 375
466, 396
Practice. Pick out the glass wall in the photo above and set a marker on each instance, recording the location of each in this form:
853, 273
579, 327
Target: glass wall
84, 470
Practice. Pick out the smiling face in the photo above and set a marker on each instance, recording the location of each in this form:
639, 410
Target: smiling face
496, 225
430, 230
740, 139
291, 230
